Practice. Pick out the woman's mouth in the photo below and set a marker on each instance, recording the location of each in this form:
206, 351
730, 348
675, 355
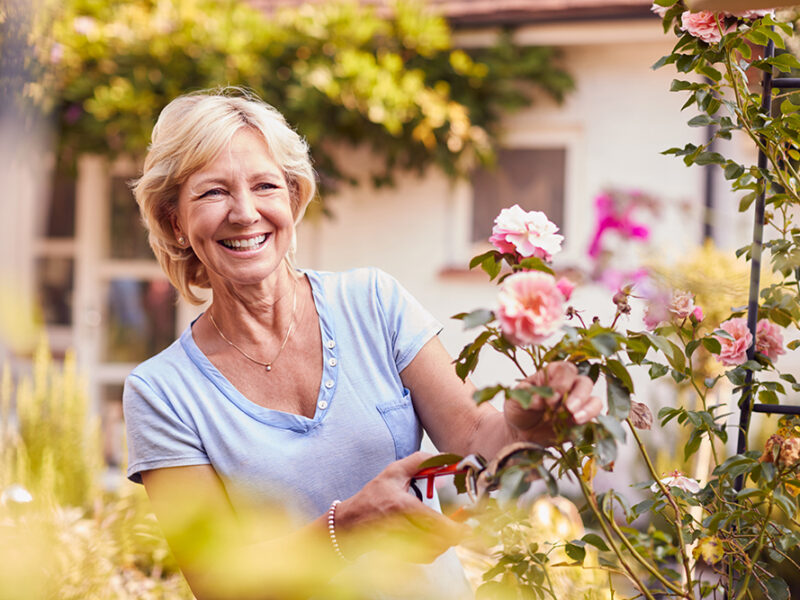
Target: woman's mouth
244, 244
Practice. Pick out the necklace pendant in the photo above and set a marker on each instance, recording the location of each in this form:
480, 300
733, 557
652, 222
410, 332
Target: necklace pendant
268, 367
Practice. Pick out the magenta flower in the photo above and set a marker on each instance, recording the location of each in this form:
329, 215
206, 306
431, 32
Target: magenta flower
697, 313
531, 307
608, 219
734, 349
703, 25
769, 340
525, 233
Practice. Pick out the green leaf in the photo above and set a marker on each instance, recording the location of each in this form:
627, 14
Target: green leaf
701, 121
712, 345
476, 260
533, 263
476, 318
784, 62
492, 266
440, 460
693, 445
596, 541
575, 550
679, 85
657, 370
619, 398
486, 394
613, 427
619, 370
709, 158
733, 171
777, 589
605, 343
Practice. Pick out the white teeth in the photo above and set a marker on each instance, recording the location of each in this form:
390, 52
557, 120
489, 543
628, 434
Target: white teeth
247, 244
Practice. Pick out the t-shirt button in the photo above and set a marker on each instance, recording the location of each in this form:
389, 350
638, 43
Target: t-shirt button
322, 404
332, 362
331, 344
329, 383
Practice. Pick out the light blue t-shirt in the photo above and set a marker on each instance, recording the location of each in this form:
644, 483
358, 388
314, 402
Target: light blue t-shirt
180, 410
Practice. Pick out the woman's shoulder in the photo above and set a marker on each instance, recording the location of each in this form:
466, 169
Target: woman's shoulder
356, 280
170, 360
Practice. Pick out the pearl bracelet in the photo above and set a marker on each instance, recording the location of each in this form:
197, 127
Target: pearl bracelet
332, 528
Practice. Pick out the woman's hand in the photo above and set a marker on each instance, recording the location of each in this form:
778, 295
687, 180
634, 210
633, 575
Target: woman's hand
571, 403
385, 516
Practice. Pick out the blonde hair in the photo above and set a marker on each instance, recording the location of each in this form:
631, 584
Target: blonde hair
190, 132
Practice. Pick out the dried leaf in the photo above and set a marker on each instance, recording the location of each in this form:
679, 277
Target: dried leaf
640, 415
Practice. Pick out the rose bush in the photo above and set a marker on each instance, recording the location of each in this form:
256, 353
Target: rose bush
716, 523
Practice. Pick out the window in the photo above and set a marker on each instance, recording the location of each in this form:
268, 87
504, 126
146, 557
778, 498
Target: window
534, 178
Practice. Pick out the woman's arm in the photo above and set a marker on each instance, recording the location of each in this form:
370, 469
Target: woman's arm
456, 424
226, 555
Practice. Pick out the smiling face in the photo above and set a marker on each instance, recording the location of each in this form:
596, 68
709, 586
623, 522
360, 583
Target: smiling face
235, 213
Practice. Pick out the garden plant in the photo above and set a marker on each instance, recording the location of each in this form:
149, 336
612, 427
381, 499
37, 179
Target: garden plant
730, 530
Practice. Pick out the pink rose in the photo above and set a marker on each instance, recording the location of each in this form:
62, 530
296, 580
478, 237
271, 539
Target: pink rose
697, 313
769, 340
681, 304
702, 25
734, 351
678, 480
525, 233
659, 10
531, 307
565, 286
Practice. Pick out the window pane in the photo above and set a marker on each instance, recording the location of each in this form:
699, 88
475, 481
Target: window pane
532, 178
141, 319
128, 237
113, 427
61, 212
54, 289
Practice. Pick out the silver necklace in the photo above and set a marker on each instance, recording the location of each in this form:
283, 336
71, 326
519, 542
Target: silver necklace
266, 365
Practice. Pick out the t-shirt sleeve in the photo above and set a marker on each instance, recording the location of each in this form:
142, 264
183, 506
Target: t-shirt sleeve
157, 437
410, 325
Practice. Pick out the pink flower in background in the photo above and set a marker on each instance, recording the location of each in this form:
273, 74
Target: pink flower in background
525, 233
769, 340
681, 304
659, 10
654, 315
531, 307
609, 219
697, 313
565, 286
678, 480
703, 25
734, 351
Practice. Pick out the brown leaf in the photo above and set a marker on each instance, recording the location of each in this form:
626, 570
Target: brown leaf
640, 416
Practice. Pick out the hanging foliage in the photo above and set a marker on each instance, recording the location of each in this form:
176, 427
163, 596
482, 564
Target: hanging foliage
340, 72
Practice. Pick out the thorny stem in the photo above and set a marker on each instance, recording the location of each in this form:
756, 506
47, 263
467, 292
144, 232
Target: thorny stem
678, 513
759, 548
604, 525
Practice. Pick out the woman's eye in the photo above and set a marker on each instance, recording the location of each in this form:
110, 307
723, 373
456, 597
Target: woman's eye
266, 186
212, 193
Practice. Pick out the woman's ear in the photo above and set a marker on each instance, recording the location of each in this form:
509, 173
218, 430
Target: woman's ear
180, 238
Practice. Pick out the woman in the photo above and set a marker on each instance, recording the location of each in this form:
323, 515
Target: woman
294, 385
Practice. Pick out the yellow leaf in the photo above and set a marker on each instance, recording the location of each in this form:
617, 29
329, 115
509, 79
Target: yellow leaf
709, 549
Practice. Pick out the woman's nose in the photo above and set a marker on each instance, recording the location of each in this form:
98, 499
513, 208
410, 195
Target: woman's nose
243, 209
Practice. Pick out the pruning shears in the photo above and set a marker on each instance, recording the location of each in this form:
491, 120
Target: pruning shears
480, 476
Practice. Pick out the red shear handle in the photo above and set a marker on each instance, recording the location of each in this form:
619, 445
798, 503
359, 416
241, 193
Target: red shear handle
430, 473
